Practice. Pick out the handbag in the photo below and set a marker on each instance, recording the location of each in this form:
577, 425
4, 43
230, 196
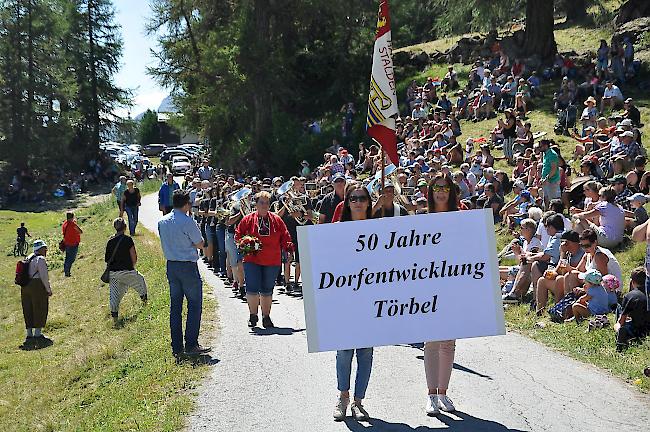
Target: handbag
105, 277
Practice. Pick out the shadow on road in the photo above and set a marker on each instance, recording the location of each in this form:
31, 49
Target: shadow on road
464, 369
203, 359
282, 331
457, 421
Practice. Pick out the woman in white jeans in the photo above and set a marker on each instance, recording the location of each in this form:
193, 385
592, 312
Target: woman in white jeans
439, 356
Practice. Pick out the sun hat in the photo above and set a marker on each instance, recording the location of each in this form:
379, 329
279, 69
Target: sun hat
39, 244
592, 276
590, 99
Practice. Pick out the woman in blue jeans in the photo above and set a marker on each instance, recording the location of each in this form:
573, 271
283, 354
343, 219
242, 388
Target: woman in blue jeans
356, 206
131, 204
261, 268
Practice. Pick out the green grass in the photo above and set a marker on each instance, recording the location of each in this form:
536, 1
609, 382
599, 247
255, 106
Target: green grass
597, 347
95, 377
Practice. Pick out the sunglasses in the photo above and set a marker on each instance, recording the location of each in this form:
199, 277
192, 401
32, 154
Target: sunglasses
585, 245
358, 198
439, 188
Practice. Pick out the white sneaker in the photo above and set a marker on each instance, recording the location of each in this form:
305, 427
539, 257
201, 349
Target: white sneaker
359, 413
432, 405
445, 404
341, 408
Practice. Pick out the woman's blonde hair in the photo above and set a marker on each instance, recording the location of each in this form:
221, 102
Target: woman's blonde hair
263, 194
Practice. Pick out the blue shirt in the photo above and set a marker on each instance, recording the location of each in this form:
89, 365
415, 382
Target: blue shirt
178, 235
166, 192
599, 302
553, 248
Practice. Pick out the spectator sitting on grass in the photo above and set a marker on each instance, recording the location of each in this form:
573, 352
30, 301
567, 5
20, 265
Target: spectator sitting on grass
535, 264
610, 218
593, 298
638, 215
612, 97
633, 321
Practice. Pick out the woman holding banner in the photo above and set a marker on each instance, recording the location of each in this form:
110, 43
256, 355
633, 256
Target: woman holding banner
439, 356
356, 206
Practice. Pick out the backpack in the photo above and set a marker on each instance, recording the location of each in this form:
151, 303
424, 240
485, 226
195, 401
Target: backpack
22, 271
559, 312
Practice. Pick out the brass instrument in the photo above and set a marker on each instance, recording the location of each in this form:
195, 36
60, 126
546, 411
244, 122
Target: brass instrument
292, 202
403, 195
241, 198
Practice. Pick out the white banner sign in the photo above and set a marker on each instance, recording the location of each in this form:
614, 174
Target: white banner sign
400, 280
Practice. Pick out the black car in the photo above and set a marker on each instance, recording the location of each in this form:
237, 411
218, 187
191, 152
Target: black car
154, 149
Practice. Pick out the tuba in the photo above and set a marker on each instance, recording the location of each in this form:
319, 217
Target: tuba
241, 198
292, 202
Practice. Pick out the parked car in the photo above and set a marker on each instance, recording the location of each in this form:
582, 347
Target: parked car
180, 165
169, 153
154, 149
135, 147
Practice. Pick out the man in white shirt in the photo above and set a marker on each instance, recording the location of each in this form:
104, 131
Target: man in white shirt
612, 97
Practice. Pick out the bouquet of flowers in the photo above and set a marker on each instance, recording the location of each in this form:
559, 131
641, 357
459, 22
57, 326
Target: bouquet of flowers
249, 244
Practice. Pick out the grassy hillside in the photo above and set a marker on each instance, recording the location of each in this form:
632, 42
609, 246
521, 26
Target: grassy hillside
95, 377
595, 347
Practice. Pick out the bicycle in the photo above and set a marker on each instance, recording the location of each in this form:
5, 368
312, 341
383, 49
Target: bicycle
21, 248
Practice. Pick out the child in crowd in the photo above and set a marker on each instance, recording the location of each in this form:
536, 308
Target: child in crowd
638, 215
634, 319
593, 298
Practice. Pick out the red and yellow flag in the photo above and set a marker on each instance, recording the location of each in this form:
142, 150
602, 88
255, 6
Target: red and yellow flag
382, 99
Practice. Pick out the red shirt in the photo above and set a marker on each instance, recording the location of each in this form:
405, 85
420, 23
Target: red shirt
338, 211
71, 236
272, 245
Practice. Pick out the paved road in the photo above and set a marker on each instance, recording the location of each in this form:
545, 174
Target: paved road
266, 381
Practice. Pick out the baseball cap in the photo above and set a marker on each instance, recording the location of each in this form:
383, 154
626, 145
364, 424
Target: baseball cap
338, 176
519, 184
639, 197
525, 194
628, 134
422, 182
592, 276
39, 244
626, 122
618, 179
571, 236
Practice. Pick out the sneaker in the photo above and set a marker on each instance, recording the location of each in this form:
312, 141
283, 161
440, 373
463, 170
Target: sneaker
28, 343
358, 412
42, 341
341, 408
252, 321
445, 404
197, 350
510, 299
432, 405
266, 322
242, 291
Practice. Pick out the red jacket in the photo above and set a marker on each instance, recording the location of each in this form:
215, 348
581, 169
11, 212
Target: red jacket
71, 236
272, 245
